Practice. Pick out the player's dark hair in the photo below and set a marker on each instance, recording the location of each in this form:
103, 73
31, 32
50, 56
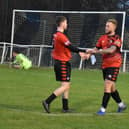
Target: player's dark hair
114, 21
60, 19
16, 50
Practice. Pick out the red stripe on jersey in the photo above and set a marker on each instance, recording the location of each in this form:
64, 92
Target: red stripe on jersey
63, 72
63, 68
63, 75
63, 65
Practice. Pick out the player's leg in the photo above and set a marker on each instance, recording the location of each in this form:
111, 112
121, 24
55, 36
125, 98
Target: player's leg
115, 94
64, 87
65, 103
64, 91
52, 97
61, 75
106, 96
107, 91
65, 96
16, 66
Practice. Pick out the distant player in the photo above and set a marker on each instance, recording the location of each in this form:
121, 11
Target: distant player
21, 61
62, 67
109, 46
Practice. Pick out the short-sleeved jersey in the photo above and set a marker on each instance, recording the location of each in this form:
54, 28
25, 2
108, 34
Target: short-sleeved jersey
114, 59
60, 50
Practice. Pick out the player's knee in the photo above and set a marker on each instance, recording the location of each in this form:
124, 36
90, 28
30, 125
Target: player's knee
107, 90
108, 83
108, 86
66, 85
113, 88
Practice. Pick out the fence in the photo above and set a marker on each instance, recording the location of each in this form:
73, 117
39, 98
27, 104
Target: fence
41, 56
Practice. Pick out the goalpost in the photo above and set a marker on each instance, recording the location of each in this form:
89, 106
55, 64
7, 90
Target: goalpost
35, 27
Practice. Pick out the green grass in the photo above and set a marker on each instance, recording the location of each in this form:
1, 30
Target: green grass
21, 93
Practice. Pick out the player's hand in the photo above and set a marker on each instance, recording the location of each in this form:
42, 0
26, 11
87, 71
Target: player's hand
90, 51
84, 56
87, 56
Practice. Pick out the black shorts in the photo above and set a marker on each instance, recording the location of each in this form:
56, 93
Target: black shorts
110, 73
62, 70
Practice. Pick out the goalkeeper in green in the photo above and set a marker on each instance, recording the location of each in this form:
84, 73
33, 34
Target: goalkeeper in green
21, 61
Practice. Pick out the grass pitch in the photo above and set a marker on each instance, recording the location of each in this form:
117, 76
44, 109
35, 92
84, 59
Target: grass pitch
21, 93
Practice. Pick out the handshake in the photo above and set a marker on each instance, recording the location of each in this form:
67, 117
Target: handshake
88, 53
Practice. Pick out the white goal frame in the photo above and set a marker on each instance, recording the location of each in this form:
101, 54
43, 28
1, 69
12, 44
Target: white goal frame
65, 12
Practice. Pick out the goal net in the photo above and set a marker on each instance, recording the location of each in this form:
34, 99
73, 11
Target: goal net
30, 27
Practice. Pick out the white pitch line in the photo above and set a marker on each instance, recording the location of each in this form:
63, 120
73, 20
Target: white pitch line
67, 114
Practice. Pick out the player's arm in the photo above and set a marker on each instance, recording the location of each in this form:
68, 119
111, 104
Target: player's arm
16, 64
92, 51
19, 59
110, 50
15, 61
68, 44
96, 48
115, 45
73, 48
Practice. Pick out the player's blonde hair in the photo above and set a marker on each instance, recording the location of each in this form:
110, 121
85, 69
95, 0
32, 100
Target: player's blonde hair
114, 21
